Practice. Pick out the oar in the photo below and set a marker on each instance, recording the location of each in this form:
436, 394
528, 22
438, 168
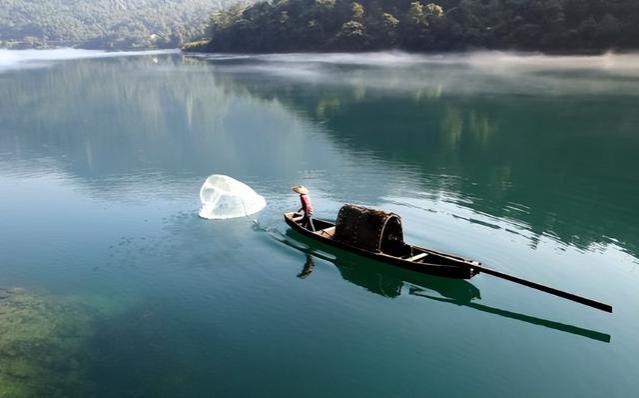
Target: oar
573, 297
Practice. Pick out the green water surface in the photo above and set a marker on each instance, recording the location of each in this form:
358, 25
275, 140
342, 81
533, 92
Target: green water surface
112, 286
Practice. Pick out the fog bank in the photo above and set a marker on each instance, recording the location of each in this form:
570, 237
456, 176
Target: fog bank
485, 72
18, 59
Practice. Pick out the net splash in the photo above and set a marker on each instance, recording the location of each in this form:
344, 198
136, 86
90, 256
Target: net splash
224, 197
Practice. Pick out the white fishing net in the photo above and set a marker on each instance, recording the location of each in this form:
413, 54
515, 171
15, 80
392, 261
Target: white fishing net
224, 197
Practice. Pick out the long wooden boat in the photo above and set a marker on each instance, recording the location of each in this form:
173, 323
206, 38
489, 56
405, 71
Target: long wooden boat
415, 258
378, 235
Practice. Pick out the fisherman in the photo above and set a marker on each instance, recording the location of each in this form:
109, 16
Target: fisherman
307, 207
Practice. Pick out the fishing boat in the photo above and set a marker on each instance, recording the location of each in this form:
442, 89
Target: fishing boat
378, 235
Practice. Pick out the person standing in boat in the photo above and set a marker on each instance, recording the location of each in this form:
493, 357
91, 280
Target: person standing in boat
307, 207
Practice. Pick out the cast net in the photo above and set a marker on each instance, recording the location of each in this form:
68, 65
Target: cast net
224, 197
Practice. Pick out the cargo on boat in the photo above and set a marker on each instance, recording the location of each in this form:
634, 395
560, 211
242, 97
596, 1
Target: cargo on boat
378, 235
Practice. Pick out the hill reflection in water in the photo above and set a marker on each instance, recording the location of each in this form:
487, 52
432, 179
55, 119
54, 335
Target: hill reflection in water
546, 142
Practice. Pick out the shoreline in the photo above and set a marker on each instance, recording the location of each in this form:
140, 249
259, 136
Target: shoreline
198, 47
575, 52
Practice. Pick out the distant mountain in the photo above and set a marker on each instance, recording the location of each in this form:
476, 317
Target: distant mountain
104, 23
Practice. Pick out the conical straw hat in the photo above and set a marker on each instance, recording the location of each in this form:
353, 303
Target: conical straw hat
301, 189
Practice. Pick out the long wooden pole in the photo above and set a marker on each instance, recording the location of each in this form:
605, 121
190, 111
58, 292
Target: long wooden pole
573, 297
569, 296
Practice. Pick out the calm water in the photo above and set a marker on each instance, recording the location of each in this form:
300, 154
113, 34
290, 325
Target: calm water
528, 164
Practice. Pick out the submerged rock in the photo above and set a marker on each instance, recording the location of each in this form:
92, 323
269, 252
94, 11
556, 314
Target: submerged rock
43, 344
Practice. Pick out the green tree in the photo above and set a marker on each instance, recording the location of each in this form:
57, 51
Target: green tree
389, 29
358, 11
609, 29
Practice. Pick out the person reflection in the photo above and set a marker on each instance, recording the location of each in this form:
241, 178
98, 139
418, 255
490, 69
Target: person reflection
308, 267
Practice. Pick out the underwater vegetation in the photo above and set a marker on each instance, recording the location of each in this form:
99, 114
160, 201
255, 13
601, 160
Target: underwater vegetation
41, 345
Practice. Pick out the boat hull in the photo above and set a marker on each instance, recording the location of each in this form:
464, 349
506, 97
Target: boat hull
447, 265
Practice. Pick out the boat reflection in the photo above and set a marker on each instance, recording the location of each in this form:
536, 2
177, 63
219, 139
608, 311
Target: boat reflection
392, 282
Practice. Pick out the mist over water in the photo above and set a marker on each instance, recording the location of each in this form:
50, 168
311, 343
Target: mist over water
17, 59
484, 72
467, 73
522, 161
490, 59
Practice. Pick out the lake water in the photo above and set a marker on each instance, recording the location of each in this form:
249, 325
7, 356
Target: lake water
114, 287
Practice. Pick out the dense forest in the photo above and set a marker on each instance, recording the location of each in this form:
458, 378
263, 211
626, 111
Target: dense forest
105, 23
422, 25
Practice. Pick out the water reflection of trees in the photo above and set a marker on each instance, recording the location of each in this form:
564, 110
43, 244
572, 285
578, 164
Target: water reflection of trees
50, 108
160, 115
562, 165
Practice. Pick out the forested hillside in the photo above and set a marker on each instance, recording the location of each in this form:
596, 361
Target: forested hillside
440, 25
104, 23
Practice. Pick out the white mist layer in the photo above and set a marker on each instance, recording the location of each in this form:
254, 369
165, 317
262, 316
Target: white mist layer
628, 63
223, 197
488, 72
18, 59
